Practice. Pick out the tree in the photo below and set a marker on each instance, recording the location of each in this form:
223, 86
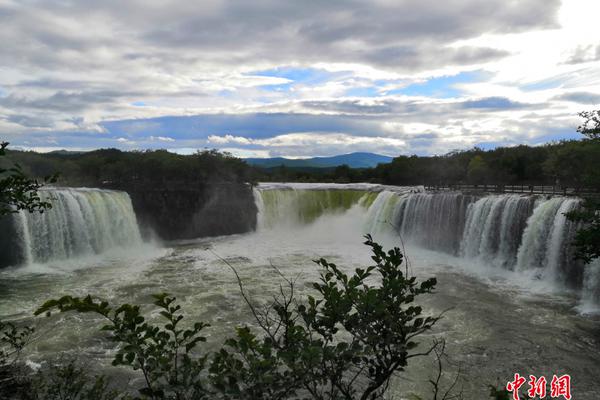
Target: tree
18, 191
574, 164
477, 171
587, 239
591, 125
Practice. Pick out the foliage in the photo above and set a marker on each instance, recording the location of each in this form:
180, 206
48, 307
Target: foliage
477, 171
12, 341
18, 191
162, 353
587, 238
565, 163
68, 381
346, 342
591, 125
120, 169
575, 164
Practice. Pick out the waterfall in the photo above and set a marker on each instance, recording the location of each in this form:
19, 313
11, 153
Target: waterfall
521, 233
292, 207
546, 242
433, 220
493, 228
382, 212
80, 222
288, 205
590, 292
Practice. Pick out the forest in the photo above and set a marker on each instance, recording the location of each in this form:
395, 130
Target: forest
572, 163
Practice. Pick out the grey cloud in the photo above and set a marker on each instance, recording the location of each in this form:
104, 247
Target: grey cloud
414, 108
417, 57
30, 121
350, 106
583, 54
266, 30
61, 101
580, 97
496, 103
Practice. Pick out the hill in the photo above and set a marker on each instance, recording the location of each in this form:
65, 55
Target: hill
353, 160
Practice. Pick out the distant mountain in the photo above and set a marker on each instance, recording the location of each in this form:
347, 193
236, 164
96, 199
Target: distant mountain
66, 152
353, 160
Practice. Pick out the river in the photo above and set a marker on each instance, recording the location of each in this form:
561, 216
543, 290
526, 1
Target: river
512, 304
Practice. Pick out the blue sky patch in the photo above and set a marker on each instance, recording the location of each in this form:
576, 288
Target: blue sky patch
298, 75
304, 76
443, 86
261, 125
370, 91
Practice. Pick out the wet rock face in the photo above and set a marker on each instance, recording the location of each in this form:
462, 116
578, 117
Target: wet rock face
10, 246
192, 212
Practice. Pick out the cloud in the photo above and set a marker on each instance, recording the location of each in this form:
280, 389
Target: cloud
288, 77
584, 54
162, 138
580, 97
215, 139
497, 103
313, 143
124, 141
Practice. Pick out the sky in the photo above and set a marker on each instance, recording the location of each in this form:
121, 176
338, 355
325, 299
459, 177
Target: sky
269, 78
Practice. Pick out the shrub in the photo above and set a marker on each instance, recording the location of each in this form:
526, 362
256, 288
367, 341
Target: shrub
346, 341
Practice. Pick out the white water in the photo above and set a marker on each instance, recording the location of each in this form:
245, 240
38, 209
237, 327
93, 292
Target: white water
493, 228
521, 233
81, 222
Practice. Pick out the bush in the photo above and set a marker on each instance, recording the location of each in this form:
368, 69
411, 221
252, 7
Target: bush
346, 341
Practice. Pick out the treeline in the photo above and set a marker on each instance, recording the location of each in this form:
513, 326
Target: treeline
573, 163
116, 168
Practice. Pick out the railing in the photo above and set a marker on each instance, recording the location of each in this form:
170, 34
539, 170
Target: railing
524, 189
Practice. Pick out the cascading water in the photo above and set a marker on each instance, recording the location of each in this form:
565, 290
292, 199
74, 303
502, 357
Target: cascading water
546, 242
382, 213
80, 222
514, 232
494, 227
433, 220
296, 204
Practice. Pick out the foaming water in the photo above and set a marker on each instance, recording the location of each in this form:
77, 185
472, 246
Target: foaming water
294, 204
494, 227
525, 237
81, 222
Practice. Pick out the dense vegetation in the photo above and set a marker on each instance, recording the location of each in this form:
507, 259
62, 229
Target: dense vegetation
571, 163
112, 167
